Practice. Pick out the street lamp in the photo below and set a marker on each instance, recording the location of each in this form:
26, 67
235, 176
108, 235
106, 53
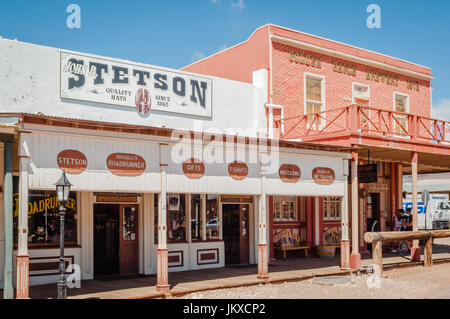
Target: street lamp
62, 192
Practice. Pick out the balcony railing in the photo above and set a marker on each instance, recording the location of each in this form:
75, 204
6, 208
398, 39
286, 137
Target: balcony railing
360, 120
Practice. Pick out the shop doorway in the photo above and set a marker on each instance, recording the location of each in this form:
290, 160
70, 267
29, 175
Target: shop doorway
235, 233
115, 240
373, 214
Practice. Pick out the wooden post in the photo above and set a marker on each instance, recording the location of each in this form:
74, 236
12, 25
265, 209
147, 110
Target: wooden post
345, 242
355, 257
162, 253
8, 289
263, 264
22, 258
377, 255
428, 252
415, 250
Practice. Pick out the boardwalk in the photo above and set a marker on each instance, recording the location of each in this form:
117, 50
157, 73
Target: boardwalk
192, 281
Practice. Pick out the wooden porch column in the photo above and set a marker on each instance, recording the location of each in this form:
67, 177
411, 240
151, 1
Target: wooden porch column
162, 281
415, 250
345, 242
22, 258
8, 289
355, 257
263, 264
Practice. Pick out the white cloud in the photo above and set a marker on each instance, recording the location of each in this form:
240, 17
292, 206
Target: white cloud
238, 5
441, 110
216, 2
197, 56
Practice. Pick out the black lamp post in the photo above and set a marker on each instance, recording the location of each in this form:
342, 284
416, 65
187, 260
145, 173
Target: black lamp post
62, 192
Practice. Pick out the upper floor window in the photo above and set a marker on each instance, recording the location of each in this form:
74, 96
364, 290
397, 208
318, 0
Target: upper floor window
401, 105
314, 97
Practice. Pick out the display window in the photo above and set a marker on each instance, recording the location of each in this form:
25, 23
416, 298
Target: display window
176, 218
212, 218
196, 217
285, 209
44, 220
332, 208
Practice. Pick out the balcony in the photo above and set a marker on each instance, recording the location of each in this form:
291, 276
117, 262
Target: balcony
378, 134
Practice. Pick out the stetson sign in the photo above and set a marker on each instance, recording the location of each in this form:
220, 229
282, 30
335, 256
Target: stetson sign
72, 161
144, 88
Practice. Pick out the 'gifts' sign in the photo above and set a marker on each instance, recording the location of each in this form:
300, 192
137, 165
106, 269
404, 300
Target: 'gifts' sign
103, 81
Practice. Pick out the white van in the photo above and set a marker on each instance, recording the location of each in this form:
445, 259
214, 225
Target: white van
437, 213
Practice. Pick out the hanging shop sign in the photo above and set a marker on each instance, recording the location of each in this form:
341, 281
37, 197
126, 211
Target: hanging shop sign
236, 199
306, 59
238, 170
289, 173
368, 173
125, 164
72, 161
193, 168
113, 198
104, 81
323, 175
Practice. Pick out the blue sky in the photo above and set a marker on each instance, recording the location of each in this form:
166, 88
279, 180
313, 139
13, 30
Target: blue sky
174, 33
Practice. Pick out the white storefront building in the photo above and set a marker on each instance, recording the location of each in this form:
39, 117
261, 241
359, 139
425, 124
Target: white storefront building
141, 204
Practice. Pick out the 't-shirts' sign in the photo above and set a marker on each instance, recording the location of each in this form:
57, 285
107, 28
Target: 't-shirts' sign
144, 88
72, 161
238, 170
125, 164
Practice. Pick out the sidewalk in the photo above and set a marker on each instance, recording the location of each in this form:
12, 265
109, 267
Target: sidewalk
294, 269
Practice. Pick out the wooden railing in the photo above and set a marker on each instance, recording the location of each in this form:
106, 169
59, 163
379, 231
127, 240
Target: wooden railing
378, 238
359, 120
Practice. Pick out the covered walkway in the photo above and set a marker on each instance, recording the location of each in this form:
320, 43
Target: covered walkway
198, 280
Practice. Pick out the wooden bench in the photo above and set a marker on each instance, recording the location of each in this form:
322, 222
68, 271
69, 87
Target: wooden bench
286, 240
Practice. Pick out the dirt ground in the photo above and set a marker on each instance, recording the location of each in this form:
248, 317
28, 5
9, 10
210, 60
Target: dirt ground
405, 283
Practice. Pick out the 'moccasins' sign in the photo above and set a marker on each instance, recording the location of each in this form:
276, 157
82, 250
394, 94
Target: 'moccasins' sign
103, 81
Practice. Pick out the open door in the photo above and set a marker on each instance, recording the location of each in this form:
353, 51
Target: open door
128, 243
244, 238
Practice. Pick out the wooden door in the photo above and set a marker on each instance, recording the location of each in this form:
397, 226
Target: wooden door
128, 246
244, 211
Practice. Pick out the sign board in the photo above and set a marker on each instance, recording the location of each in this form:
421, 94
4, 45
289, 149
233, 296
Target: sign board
323, 175
289, 173
91, 79
125, 164
72, 161
236, 199
116, 198
367, 173
193, 168
238, 170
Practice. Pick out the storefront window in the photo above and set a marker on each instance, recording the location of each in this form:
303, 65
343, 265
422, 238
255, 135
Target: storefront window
176, 217
284, 209
196, 217
43, 218
212, 218
331, 208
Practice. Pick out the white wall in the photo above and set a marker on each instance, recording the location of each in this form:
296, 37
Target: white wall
32, 77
